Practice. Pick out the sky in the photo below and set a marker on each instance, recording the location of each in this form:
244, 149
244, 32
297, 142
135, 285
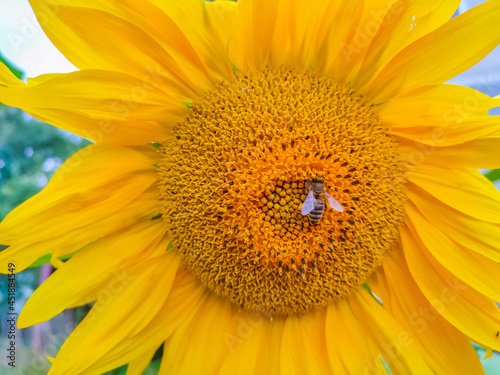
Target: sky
23, 42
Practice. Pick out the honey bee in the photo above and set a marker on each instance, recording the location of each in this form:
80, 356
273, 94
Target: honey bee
314, 204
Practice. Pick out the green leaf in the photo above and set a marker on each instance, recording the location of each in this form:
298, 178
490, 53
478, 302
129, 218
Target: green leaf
233, 66
17, 73
367, 288
157, 216
44, 259
493, 175
153, 368
156, 145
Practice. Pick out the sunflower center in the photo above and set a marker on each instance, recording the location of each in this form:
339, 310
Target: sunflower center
234, 176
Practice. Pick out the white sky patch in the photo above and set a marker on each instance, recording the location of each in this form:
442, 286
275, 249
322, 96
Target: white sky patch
23, 42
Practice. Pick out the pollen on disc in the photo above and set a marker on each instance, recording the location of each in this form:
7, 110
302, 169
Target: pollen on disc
233, 177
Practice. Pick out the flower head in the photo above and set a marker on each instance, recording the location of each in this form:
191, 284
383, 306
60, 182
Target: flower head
235, 174
213, 124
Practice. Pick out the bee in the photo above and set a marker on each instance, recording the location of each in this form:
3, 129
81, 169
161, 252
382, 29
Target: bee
314, 204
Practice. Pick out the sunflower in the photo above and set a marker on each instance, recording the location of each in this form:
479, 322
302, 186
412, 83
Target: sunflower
212, 123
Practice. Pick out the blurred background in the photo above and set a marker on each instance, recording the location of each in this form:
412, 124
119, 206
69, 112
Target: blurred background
31, 152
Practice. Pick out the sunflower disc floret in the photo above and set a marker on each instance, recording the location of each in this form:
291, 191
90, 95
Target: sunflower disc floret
234, 175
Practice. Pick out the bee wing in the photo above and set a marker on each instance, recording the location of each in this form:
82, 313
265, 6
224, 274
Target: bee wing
308, 204
334, 203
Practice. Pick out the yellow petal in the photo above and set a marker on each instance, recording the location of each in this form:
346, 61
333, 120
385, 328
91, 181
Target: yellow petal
313, 34
350, 349
474, 269
434, 105
139, 365
435, 59
469, 311
224, 15
443, 347
379, 334
167, 32
118, 315
163, 29
90, 181
202, 28
144, 207
98, 264
466, 190
254, 37
304, 36
254, 345
118, 195
361, 24
7, 78
200, 346
78, 212
310, 356
100, 105
113, 43
479, 153
300, 33
450, 134
476, 235
404, 23
182, 304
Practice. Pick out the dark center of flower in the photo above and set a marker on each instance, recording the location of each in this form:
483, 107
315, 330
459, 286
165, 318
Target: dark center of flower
234, 175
